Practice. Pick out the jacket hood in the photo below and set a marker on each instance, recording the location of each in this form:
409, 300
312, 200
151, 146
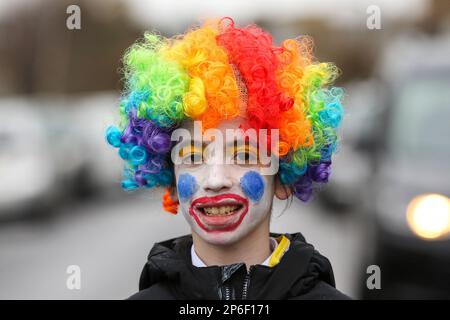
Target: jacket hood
298, 271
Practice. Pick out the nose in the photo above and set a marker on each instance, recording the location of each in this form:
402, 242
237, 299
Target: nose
217, 178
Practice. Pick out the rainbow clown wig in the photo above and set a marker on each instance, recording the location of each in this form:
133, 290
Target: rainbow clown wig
208, 74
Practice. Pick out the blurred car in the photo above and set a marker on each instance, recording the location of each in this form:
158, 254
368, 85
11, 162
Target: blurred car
43, 162
407, 197
27, 174
91, 115
67, 147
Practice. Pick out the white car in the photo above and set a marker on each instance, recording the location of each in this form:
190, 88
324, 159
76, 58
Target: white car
27, 174
91, 115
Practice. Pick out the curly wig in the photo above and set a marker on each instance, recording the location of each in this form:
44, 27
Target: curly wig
219, 71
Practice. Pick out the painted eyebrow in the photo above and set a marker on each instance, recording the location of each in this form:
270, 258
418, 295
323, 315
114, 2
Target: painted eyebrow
191, 142
241, 142
234, 143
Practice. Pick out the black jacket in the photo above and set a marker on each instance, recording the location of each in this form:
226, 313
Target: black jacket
302, 273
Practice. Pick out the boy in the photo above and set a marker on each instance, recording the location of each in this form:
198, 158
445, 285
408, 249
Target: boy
226, 120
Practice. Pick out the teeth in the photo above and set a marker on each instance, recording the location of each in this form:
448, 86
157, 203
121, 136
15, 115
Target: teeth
219, 211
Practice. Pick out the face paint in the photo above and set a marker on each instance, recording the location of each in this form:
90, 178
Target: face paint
225, 222
231, 200
253, 185
187, 186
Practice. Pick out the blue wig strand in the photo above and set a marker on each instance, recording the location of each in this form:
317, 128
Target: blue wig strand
113, 136
136, 98
138, 155
331, 115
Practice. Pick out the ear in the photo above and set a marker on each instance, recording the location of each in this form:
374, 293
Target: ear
282, 192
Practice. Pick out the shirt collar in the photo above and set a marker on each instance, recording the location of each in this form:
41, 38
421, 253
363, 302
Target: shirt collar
197, 262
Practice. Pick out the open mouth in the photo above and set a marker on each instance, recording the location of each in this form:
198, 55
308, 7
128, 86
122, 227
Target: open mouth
220, 213
215, 210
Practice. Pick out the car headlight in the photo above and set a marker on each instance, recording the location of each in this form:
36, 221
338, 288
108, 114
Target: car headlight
428, 216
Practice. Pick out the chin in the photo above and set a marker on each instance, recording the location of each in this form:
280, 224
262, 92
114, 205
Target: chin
220, 239
226, 238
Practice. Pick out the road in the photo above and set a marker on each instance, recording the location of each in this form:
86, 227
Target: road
109, 240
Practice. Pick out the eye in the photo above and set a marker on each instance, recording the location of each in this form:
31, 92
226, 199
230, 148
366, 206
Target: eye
192, 158
191, 155
245, 156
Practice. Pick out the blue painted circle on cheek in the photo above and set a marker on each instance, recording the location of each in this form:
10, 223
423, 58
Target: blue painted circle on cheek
187, 186
253, 185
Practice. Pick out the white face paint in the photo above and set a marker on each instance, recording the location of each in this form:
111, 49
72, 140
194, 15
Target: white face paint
223, 202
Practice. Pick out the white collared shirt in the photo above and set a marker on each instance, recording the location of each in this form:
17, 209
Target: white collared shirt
197, 262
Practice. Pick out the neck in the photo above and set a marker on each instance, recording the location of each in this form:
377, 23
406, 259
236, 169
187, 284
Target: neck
252, 249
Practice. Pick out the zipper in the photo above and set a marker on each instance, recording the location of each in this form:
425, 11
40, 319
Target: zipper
246, 284
227, 293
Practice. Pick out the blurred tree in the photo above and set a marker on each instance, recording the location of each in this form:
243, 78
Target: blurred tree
353, 50
437, 18
39, 54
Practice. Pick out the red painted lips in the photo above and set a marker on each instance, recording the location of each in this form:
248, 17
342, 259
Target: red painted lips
205, 211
